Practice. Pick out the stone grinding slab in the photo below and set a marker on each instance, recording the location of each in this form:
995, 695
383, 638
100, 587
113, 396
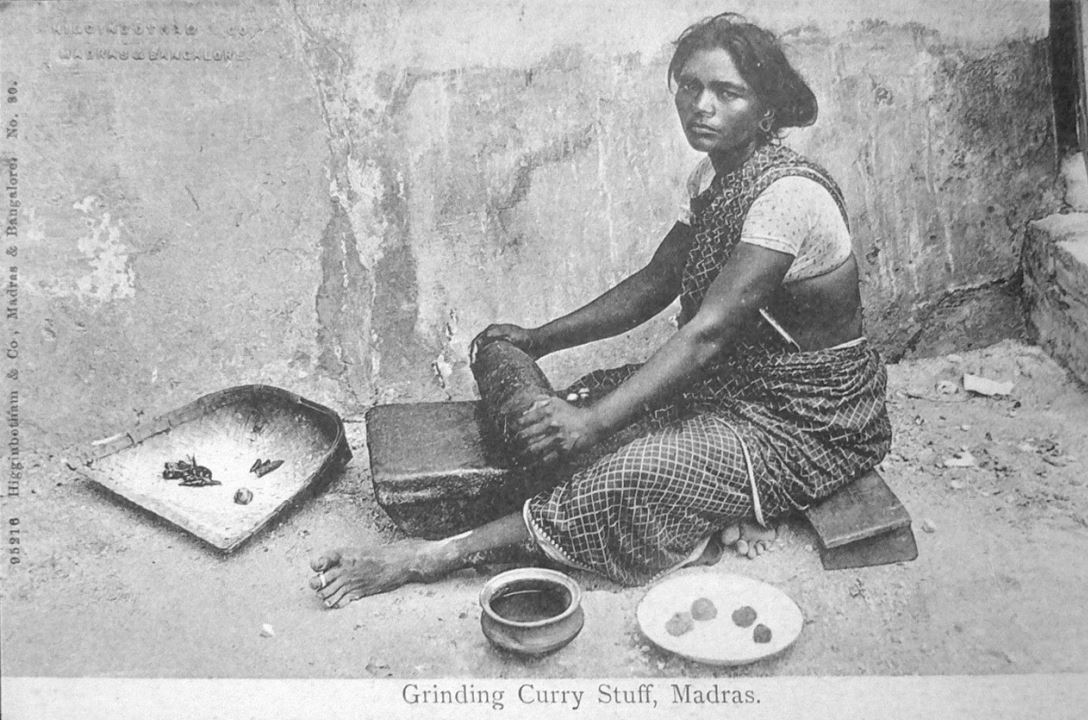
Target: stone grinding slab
226, 432
443, 468
435, 473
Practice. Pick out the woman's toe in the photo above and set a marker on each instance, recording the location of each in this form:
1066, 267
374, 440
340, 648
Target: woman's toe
326, 561
324, 579
332, 584
730, 535
340, 596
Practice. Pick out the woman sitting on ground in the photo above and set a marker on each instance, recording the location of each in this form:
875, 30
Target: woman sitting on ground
766, 398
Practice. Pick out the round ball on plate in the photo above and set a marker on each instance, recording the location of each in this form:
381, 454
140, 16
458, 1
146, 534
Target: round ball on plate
744, 616
679, 624
703, 609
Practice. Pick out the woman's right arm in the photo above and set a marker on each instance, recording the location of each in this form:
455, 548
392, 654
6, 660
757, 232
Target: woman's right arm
629, 304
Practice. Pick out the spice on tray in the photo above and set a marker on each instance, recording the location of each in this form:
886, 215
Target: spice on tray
703, 609
191, 473
265, 467
762, 634
744, 616
679, 624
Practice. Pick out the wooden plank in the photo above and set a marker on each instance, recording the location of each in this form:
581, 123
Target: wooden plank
892, 547
863, 509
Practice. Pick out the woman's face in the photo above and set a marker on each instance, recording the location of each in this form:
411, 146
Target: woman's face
720, 114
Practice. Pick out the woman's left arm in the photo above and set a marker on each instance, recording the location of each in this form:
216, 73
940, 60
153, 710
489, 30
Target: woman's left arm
552, 428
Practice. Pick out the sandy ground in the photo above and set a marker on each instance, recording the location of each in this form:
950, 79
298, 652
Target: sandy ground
998, 588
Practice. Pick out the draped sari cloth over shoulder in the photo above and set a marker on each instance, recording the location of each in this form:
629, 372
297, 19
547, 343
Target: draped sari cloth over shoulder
768, 430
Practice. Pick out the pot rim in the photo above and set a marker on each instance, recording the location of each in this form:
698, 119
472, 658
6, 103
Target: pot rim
492, 587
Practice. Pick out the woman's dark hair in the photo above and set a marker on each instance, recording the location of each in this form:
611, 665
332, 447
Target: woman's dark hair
760, 61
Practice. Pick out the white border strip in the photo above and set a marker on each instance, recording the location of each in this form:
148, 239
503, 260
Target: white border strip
993, 697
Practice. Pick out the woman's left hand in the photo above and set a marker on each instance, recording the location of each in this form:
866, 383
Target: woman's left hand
552, 430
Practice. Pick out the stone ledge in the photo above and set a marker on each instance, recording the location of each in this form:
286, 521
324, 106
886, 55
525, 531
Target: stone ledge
1074, 174
1055, 264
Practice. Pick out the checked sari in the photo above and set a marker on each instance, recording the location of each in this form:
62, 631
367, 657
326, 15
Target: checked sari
767, 431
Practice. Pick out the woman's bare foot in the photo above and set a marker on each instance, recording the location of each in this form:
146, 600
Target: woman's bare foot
351, 573
748, 538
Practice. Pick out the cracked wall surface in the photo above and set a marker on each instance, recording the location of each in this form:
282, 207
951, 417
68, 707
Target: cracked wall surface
352, 190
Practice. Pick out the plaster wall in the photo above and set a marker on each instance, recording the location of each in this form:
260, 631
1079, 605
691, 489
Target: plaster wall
335, 197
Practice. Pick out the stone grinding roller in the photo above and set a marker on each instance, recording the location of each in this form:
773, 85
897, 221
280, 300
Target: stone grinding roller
509, 381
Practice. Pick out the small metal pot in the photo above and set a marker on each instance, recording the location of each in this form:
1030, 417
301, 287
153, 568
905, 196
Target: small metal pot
531, 611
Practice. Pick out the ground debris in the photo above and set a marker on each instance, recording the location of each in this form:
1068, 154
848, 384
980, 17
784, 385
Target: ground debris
984, 386
1048, 449
962, 459
377, 667
946, 387
925, 458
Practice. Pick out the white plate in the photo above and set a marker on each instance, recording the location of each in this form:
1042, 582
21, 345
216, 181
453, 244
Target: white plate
719, 641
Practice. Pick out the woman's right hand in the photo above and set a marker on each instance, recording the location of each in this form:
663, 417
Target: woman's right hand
522, 338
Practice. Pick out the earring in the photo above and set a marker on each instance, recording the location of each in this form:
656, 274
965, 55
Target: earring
766, 124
